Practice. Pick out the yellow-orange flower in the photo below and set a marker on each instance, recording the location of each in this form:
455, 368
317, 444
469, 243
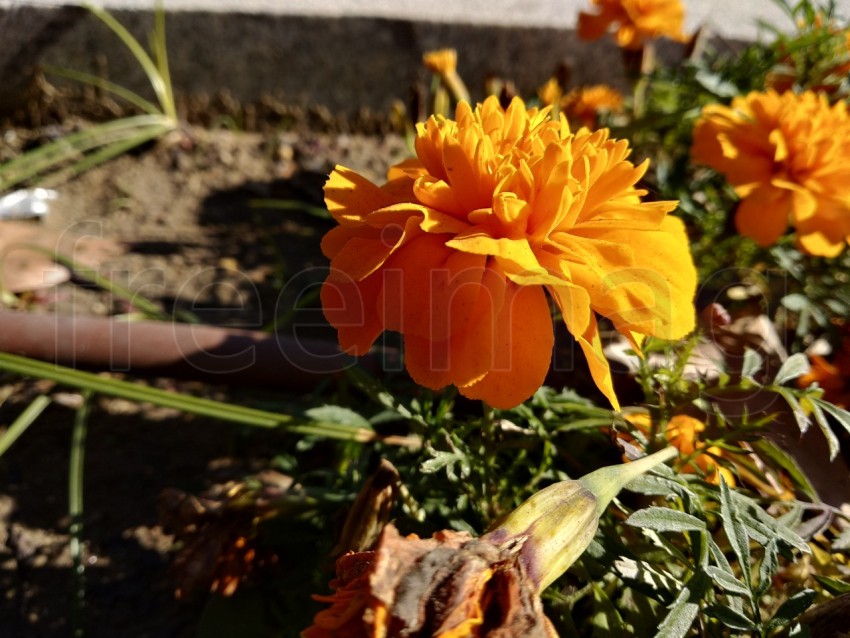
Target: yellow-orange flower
833, 377
683, 433
586, 103
635, 20
456, 250
786, 156
441, 61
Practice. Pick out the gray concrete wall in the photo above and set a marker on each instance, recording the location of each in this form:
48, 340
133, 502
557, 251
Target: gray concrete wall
344, 54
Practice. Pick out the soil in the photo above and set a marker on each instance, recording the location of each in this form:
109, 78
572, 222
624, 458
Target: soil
191, 240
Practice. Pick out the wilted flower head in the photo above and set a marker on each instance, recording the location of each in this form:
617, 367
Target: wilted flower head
459, 248
635, 21
786, 156
455, 586
450, 585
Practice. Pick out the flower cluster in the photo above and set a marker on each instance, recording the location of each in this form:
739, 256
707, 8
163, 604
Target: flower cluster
458, 249
636, 21
786, 156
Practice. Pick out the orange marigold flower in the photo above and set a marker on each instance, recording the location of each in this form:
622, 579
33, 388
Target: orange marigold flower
786, 156
585, 104
833, 377
457, 250
683, 433
441, 61
550, 93
635, 21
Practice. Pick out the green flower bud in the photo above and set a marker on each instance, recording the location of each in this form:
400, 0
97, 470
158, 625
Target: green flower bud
555, 525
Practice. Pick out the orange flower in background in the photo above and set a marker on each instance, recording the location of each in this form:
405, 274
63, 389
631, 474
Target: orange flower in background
458, 250
786, 156
441, 61
683, 432
833, 377
584, 104
635, 21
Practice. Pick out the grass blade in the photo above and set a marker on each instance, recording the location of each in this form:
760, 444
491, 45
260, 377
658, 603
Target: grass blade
160, 86
74, 146
24, 420
102, 83
184, 402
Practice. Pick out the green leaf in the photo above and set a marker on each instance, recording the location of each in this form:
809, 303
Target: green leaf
752, 363
728, 582
606, 620
768, 566
800, 417
646, 579
653, 485
834, 586
794, 366
839, 414
823, 424
446, 459
678, 621
340, 415
762, 527
735, 531
769, 450
730, 617
183, 402
664, 519
791, 608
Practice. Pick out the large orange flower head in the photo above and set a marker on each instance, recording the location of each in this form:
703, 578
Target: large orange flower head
635, 20
786, 156
457, 250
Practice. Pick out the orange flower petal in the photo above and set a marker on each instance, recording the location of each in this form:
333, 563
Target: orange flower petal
763, 216
429, 289
350, 197
522, 349
351, 307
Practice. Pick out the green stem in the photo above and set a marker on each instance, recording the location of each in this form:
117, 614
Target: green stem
75, 513
607, 482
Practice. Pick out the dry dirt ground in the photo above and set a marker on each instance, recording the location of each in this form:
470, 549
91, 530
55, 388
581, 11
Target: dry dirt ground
190, 240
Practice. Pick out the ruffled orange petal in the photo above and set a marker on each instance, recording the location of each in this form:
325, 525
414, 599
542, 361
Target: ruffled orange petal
351, 197
522, 349
653, 295
430, 289
763, 215
351, 307
467, 356
574, 304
